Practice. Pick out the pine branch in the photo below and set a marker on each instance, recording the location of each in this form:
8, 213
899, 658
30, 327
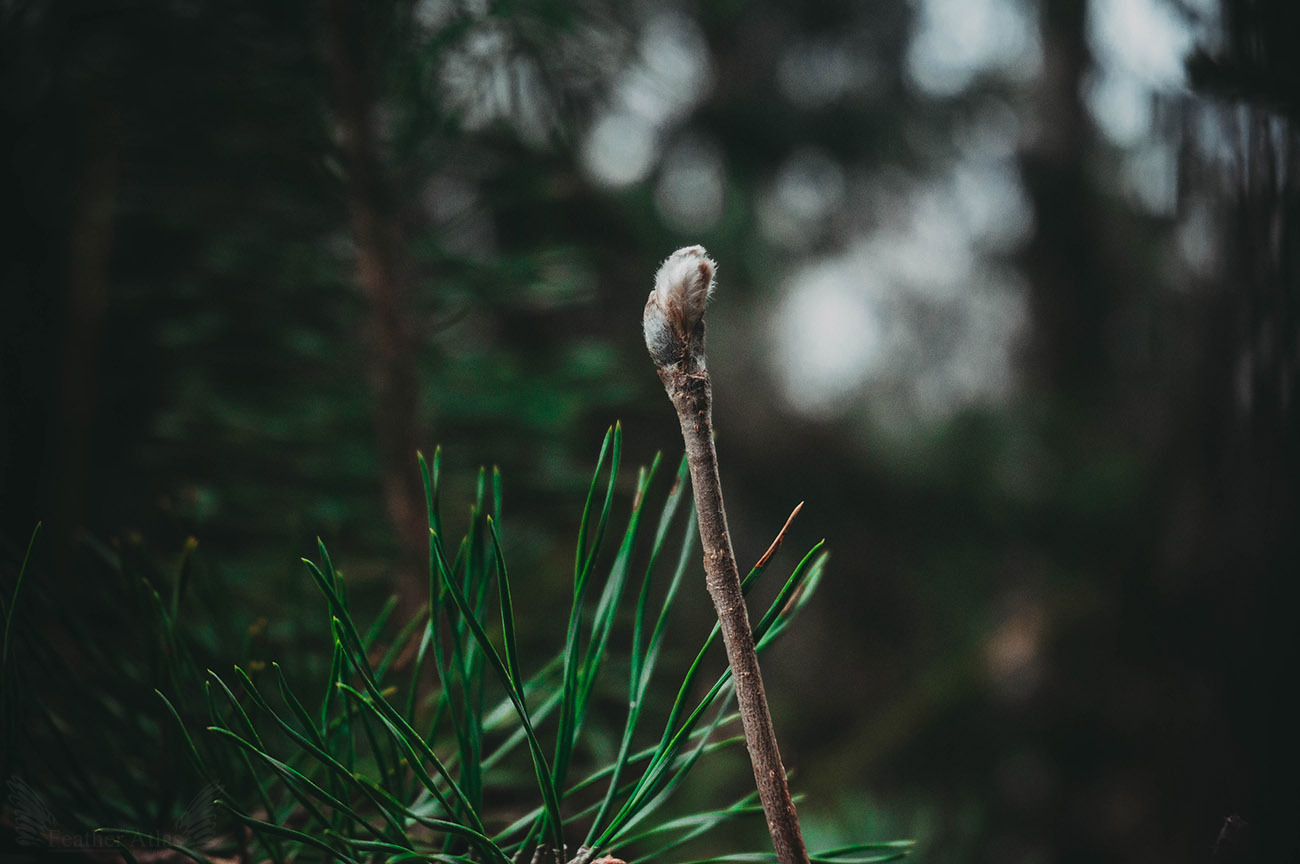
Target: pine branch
674, 333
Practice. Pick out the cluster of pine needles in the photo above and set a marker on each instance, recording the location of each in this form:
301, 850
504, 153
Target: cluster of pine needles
419, 746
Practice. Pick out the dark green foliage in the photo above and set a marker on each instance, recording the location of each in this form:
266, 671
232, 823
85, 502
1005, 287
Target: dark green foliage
83, 731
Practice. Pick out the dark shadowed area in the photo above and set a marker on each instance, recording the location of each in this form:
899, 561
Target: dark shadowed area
1008, 293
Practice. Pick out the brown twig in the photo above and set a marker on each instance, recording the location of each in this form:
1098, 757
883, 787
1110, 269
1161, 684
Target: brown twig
674, 333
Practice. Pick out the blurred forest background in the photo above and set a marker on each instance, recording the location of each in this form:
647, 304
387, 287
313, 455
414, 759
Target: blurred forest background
1007, 293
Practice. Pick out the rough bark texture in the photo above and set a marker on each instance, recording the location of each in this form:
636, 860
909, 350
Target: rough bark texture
690, 390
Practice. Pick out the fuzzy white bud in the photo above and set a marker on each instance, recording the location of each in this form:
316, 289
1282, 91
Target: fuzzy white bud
683, 286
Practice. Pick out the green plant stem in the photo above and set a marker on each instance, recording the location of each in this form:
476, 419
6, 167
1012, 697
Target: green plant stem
690, 390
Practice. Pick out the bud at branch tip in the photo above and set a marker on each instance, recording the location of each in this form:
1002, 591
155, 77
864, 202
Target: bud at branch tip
675, 308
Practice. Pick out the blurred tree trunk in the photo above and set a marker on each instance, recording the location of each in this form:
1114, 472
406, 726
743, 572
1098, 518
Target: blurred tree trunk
1259, 468
1249, 157
90, 246
381, 274
1068, 295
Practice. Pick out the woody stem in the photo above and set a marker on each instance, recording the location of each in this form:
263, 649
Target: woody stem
692, 395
